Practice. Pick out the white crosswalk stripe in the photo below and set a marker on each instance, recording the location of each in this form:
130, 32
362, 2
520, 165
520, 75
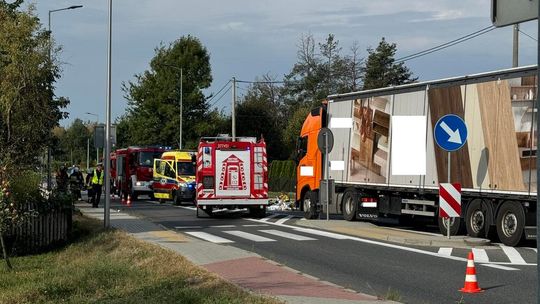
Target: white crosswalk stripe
283, 220
445, 251
249, 236
268, 217
513, 255
209, 237
287, 235
480, 255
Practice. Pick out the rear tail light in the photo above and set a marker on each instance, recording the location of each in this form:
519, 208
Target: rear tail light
368, 199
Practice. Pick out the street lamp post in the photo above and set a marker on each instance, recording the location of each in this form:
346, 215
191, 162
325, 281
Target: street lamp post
107, 159
97, 121
181, 97
50, 60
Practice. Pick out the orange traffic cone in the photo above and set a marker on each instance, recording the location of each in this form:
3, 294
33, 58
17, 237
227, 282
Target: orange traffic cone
471, 285
128, 202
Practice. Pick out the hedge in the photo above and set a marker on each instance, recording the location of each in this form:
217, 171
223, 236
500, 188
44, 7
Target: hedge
282, 176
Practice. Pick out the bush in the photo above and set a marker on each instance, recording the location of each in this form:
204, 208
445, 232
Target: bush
282, 175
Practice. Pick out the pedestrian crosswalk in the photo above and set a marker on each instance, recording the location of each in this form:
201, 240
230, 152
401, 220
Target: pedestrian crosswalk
257, 236
277, 228
209, 237
498, 254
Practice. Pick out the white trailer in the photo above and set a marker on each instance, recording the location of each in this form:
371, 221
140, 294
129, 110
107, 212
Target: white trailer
496, 167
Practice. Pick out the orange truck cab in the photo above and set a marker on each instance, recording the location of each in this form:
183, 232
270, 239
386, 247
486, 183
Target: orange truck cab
309, 158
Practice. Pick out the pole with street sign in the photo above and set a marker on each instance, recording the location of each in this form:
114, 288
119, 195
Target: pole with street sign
450, 133
325, 143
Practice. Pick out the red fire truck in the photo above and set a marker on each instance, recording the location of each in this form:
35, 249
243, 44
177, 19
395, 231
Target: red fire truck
134, 170
232, 175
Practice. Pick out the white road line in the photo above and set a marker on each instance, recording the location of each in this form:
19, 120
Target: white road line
445, 251
256, 225
513, 255
321, 233
499, 267
480, 255
188, 227
209, 237
287, 235
249, 236
268, 217
344, 237
188, 208
283, 220
223, 226
533, 249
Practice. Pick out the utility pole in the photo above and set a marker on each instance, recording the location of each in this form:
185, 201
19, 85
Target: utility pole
181, 96
233, 118
87, 154
515, 51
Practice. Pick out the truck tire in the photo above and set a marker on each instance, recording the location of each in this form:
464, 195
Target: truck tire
309, 204
510, 223
175, 199
478, 219
349, 205
456, 225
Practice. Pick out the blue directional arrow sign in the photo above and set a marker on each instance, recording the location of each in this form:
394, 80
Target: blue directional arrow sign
450, 132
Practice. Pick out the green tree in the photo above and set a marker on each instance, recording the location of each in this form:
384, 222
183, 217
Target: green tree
260, 114
27, 78
29, 108
381, 70
74, 142
154, 97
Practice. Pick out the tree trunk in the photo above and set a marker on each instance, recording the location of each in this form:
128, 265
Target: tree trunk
4, 251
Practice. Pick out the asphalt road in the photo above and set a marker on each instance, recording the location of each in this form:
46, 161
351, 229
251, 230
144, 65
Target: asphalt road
375, 269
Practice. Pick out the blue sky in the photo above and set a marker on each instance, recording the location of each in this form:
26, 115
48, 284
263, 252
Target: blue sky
247, 39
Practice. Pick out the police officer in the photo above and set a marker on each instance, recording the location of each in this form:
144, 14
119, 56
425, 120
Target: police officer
97, 184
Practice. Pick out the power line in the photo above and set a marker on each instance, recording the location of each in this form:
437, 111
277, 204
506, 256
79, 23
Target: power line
225, 85
527, 35
253, 82
215, 102
446, 45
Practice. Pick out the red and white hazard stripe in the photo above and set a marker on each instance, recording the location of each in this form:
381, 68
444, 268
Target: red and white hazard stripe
449, 200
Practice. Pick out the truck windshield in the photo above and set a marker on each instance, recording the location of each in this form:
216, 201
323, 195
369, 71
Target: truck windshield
146, 159
185, 168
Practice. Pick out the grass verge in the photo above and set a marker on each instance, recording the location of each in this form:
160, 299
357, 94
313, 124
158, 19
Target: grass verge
108, 266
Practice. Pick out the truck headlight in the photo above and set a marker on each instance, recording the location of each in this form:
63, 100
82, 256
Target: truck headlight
138, 184
182, 185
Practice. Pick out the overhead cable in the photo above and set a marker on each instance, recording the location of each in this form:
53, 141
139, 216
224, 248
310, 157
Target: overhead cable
447, 44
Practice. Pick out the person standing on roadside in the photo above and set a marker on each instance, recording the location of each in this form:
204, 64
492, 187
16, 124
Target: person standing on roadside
97, 184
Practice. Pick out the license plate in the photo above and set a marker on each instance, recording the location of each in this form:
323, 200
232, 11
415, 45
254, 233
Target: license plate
161, 195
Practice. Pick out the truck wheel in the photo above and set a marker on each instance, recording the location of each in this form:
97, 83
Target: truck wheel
310, 205
456, 225
349, 205
478, 219
175, 199
510, 223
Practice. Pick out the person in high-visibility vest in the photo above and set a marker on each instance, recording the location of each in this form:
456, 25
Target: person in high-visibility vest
97, 184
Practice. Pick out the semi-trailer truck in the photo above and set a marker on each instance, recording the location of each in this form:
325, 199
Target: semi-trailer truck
496, 166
